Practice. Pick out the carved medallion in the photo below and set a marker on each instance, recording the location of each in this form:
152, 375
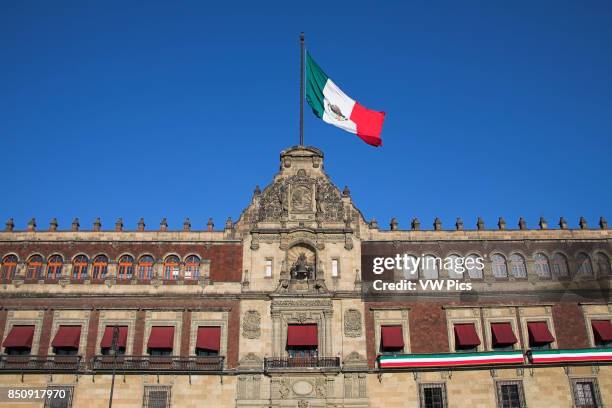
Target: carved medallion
352, 323
301, 199
251, 322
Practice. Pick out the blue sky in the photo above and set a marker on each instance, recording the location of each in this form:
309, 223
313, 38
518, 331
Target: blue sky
178, 109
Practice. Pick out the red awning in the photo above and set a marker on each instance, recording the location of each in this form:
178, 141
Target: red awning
302, 335
539, 333
391, 337
67, 336
602, 330
209, 338
107, 339
466, 336
161, 337
19, 336
503, 334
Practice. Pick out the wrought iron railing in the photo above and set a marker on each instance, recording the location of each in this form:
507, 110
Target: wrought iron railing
301, 362
40, 363
157, 363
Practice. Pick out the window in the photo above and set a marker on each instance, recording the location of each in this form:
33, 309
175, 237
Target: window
208, 342
62, 397
430, 267
432, 395
302, 340
161, 341
500, 269
66, 341
145, 267
19, 341
172, 268
54, 267
156, 397
602, 333
584, 265
391, 339
542, 266
9, 267
100, 267
510, 394
466, 338
502, 336
540, 336
35, 267
106, 344
411, 269
454, 267
603, 265
473, 271
335, 268
80, 264
268, 267
192, 267
586, 393
125, 270
517, 266
559, 266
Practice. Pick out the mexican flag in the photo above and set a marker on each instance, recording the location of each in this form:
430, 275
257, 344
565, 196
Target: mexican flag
332, 105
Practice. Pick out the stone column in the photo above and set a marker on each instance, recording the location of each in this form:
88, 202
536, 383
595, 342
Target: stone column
276, 334
327, 332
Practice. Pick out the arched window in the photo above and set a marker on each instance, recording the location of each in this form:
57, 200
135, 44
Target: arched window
145, 267
100, 267
584, 265
9, 267
517, 266
542, 267
125, 269
172, 267
411, 269
54, 267
603, 264
500, 269
559, 266
454, 266
80, 264
430, 267
472, 266
35, 267
192, 267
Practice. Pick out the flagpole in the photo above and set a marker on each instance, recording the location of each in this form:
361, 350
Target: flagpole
301, 89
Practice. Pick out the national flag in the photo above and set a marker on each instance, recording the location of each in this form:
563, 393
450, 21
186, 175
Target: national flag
329, 103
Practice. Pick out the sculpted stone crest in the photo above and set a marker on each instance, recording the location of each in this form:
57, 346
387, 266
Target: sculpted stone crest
251, 324
296, 194
352, 323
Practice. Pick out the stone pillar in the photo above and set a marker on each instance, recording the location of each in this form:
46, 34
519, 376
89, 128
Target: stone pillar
276, 335
327, 332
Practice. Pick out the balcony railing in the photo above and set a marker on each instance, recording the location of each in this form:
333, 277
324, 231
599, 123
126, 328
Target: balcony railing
278, 363
40, 363
157, 363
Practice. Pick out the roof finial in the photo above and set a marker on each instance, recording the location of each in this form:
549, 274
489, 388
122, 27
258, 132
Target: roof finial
459, 224
583, 223
187, 225
562, 223
119, 225
437, 224
210, 225
603, 224
97, 226
32, 225
393, 224
53, 225
10, 225
163, 225
141, 224
480, 225
75, 225
501, 223
415, 224
522, 224
543, 223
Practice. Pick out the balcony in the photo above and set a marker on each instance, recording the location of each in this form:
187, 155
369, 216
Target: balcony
302, 363
157, 364
40, 363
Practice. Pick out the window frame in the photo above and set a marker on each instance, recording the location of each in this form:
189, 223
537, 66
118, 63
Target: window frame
124, 266
102, 265
147, 267
496, 265
595, 390
541, 261
55, 266
193, 267
11, 261
146, 398
80, 268
172, 263
516, 265
268, 267
53, 403
520, 390
35, 263
437, 385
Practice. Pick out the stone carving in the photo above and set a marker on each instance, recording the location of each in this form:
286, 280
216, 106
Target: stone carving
352, 323
275, 202
303, 303
321, 388
355, 361
301, 199
303, 404
251, 324
250, 361
302, 388
283, 388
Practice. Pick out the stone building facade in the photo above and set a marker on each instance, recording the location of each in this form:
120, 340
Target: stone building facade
277, 310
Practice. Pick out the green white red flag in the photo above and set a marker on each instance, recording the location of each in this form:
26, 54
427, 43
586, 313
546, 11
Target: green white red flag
329, 103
